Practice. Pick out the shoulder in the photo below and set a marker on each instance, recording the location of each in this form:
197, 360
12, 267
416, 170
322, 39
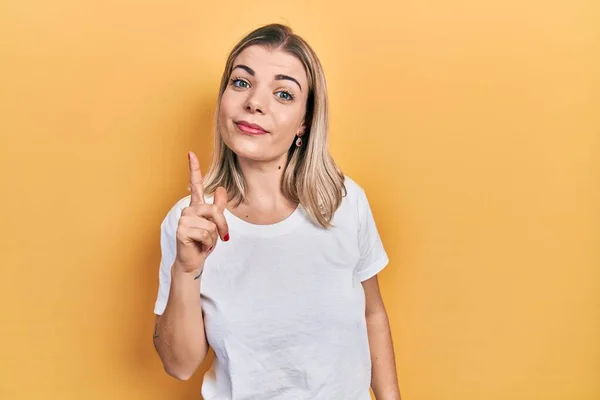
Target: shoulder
353, 202
355, 194
352, 186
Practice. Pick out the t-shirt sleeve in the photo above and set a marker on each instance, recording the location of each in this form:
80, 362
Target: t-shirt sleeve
373, 257
168, 248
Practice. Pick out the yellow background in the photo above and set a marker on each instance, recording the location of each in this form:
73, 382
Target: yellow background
474, 126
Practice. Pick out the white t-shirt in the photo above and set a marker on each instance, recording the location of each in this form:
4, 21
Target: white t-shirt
284, 307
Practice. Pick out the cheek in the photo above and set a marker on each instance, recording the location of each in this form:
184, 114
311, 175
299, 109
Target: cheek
290, 120
226, 103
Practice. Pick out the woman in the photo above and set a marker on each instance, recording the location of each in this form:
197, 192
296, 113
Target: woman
273, 259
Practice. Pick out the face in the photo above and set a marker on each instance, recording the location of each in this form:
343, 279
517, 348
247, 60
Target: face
264, 105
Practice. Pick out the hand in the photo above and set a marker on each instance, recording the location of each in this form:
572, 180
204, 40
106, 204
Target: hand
200, 224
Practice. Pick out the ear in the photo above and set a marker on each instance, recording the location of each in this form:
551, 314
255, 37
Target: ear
301, 129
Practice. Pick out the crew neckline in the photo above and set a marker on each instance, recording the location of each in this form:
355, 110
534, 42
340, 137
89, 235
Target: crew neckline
264, 230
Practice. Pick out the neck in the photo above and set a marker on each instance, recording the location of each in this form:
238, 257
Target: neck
263, 180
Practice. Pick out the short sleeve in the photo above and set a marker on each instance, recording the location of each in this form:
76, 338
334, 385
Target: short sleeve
373, 257
168, 248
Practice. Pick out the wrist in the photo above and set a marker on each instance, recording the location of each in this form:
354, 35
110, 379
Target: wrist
181, 271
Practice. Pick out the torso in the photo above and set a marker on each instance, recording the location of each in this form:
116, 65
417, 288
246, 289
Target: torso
283, 302
284, 311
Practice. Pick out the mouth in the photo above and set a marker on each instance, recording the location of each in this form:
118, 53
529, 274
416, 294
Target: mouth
250, 128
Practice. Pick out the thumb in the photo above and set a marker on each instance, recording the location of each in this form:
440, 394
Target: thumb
220, 199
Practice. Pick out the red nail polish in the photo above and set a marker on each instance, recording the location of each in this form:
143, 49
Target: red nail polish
226, 238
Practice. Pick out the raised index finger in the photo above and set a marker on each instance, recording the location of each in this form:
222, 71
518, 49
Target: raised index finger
196, 186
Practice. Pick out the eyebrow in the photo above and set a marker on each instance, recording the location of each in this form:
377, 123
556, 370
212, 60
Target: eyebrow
278, 77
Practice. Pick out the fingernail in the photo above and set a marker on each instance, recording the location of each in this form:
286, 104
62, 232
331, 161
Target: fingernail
226, 238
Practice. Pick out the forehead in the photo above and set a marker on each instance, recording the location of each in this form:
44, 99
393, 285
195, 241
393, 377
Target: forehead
268, 63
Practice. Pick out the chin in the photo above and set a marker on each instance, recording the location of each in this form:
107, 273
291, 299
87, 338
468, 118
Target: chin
250, 155
249, 151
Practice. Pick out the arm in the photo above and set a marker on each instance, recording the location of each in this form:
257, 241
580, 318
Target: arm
179, 336
187, 238
384, 380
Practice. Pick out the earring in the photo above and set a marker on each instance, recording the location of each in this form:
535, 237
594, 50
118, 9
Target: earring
299, 142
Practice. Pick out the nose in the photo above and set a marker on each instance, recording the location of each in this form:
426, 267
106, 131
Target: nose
255, 104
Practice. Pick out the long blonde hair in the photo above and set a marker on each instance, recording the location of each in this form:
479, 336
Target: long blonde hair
311, 177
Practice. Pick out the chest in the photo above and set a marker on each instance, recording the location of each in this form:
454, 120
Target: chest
304, 281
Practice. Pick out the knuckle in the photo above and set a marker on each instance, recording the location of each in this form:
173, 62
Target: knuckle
183, 221
212, 227
198, 209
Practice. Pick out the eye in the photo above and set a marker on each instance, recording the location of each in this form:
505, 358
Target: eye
285, 95
239, 83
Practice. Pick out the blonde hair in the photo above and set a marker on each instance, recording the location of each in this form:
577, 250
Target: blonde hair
311, 177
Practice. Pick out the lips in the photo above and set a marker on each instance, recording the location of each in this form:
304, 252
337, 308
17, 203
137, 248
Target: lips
250, 128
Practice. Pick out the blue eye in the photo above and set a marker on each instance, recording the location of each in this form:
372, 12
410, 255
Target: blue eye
239, 83
284, 95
